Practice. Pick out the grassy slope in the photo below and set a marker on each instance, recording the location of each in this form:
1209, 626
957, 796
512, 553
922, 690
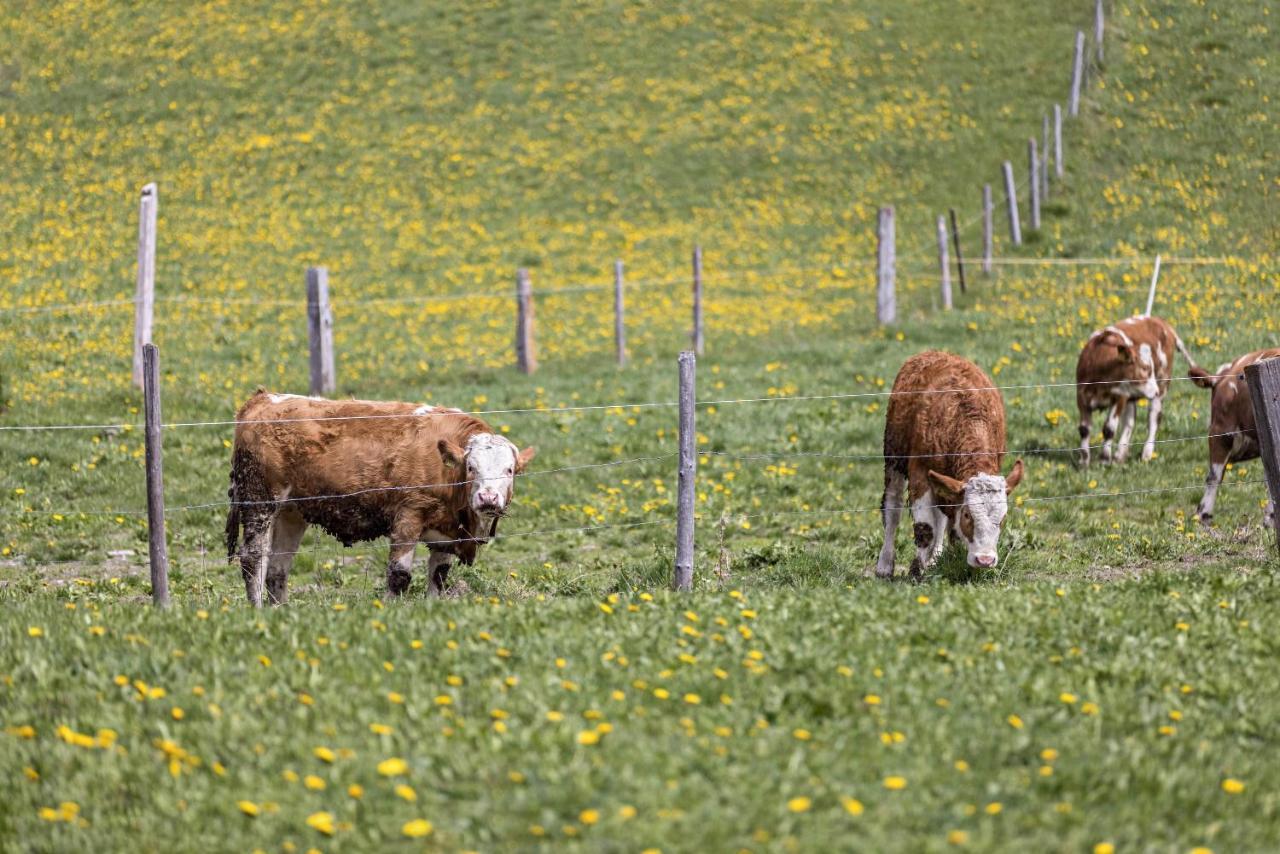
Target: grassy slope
430, 152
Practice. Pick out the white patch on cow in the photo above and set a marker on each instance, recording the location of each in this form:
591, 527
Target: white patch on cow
1231, 385
424, 409
1128, 342
987, 500
891, 514
1153, 424
1211, 483
491, 469
1161, 357
925, 512
281, 398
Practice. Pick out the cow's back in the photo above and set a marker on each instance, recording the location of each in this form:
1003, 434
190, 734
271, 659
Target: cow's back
1232, 408
939, 404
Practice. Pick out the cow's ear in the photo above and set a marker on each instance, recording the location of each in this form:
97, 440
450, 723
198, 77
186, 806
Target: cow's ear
451, 452
1014, 478
1125, 354
950, 490
524, 458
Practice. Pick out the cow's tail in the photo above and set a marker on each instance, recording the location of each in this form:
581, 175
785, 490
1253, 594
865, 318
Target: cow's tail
1198, 375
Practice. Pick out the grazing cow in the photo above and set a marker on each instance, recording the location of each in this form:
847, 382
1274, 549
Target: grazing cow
1233, 433
363, 470
1129, 360
944, 437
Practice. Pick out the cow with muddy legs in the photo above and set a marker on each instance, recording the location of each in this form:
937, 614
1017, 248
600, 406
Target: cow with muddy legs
1120, 365
362, 470
944, 439
1233, 433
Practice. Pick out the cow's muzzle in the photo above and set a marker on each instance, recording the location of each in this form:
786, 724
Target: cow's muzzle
984, 561
489, 503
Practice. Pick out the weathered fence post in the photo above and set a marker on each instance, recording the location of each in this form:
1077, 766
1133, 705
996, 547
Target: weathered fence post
1058, 165
955, 238
1077, 75
988, 228
158, 549
1098, 26
697, 300
320, 331
526, 358
619, 325
886, 304
1264, 390
1151, 294
944, 265
1044, 160
1033, 175
1011, 197
144, 299
687, 473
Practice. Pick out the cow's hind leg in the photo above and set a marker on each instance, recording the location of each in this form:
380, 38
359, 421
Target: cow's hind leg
1126, 430
1086, 426
438, 565
928, 534
1153, 424
891, 515
256, 551
286, 536
1109, 425
1219, 455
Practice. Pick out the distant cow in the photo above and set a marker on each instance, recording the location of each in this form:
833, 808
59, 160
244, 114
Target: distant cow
944, 437
363, 470
1233, 433
1120, 364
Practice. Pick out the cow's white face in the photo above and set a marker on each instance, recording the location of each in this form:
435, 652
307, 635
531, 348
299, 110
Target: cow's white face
490, 464
983, 504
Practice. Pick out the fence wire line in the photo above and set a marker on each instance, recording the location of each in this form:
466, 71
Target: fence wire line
556, 410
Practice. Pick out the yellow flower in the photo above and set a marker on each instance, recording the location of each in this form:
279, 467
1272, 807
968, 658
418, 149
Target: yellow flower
588, 737
1014, 721
800, 804
314, 783
802, 734
417, 828
356, 791
957, 837
392, 767
321, 822
895, 783
1067, 698
1089, 708
994, 808
626, 813
1048, 754
1104, 848
324, 754
589, 816
406, 792
249, 808
1232, 786
853, 806
871, 700
35, 631
177, 713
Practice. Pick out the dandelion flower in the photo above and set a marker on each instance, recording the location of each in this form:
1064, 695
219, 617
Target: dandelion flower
392, 767
800, 804
417, 828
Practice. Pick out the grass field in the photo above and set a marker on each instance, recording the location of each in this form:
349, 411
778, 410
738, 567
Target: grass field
428, 151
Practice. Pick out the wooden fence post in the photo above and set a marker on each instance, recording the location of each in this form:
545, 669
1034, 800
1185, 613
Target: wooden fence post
158, 549
1098, 26
1044, 160
886, 304
144, 299
1264, 391
1077, 75
697, 300
526, 358
320, 331
1033, 176
619, 325
955, 238
944, 265
1011, 197
687, 473
1151, 294
988, 228
1058, 165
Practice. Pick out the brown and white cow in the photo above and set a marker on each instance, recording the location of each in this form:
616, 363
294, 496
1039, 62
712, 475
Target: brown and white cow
363, 470
1233, 433
944, 436
1119, 365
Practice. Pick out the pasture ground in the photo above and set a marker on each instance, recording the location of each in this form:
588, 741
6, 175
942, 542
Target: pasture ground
1113, 681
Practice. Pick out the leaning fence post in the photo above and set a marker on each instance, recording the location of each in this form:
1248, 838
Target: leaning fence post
988, 228
687, 473
1077, 74
955, 238
1151, 294
886, 307
1098, 26
1011, 197
526, 358
1044, 160
144, 300
697, 300
1058, 165
944, 265
1264, 390
157, 548
1033, 175
619, 326
320, 331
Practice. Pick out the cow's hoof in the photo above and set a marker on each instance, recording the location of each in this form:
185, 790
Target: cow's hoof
885, 572
1205, 519
1147, 454
398, 582
917, 570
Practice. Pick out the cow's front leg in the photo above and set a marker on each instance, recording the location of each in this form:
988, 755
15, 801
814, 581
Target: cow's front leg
1086, 426
286, 536
1126, 430
1153, 424
255, 552
1219, 454
438, 566
400, 568
1109, 425
928, 534
891, 515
